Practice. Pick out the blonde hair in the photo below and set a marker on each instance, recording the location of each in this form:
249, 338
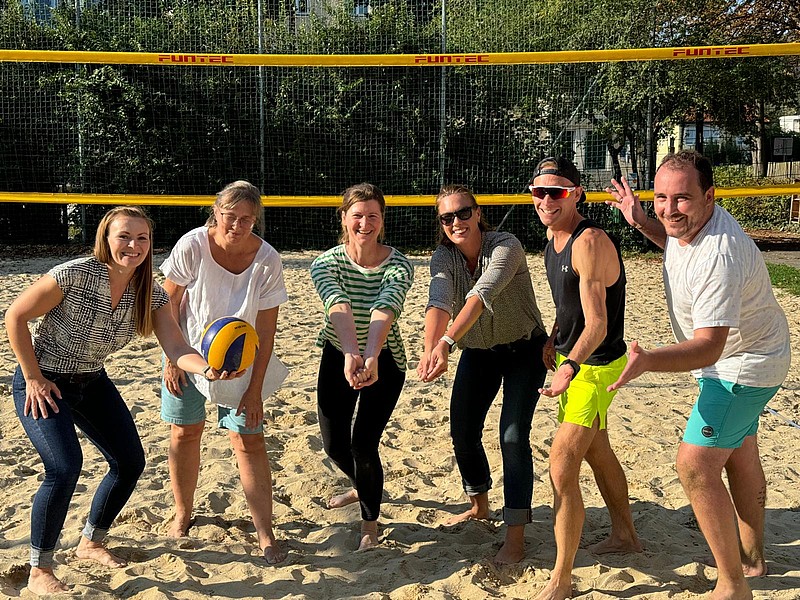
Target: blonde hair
457, 189
362, 192
234, 193
143, 276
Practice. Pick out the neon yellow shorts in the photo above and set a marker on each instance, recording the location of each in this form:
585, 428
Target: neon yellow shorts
586, 397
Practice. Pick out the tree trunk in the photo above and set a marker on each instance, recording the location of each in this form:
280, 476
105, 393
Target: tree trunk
698, 130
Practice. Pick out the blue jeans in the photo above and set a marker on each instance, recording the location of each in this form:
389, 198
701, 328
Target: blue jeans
519, 368
92, 403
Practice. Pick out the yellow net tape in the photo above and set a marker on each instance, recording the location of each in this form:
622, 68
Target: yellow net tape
322, 201
397, 60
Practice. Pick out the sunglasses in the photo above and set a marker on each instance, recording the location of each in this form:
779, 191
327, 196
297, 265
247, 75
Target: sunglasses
463, 214
555, 192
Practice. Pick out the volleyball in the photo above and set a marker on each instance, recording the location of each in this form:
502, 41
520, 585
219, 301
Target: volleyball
229, 344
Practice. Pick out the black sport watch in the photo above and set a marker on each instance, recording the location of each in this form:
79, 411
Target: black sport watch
575, 366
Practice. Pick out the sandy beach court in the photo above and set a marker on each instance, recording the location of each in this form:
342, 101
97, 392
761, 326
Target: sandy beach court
419, 558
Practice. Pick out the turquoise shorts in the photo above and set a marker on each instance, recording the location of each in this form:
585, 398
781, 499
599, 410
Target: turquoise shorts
725, 413
191, 408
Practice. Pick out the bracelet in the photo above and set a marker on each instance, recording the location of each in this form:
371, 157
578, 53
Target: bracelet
451, 343
206, 370
639, 227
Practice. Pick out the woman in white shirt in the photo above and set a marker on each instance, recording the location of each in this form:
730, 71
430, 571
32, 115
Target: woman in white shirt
218, 270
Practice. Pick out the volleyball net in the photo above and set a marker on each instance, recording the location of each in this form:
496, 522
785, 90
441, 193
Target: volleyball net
304, 104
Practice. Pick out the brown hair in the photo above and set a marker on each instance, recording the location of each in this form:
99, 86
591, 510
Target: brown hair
457, 189
362, 192
234, 193
143, 276
688, 160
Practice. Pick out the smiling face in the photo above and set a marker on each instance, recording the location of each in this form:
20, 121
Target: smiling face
363, 222
128, 241
458, 230
556, 214
680, 203
236, 222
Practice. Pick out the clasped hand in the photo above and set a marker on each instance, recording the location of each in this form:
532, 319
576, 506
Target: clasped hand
360, 372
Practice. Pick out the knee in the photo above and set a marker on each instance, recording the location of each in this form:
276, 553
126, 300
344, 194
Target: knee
130, 467
187, 434
250, 444
65, 472
564, 471
513, 441
364, 453
695, 474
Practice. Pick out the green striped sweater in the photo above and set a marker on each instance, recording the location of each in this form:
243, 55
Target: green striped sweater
340, 280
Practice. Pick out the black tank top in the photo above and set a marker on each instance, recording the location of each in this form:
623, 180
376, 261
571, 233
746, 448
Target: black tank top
564, 284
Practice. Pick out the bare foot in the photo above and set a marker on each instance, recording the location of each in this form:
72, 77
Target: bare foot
611, 545
735, 592
179, 527
43, 581
369, 535
341, 500
472, 513
555, 592
97, 552
509, 554
273, 554
757, 568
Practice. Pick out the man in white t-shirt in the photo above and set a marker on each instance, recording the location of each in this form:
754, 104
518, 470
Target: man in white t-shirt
734, 338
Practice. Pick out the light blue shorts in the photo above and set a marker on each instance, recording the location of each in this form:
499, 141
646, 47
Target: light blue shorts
725, 413
191, 408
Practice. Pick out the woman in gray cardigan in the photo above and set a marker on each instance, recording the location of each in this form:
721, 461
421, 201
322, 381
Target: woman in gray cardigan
482, 300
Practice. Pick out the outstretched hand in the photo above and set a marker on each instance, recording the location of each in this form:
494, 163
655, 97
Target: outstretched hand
638, 360
559, 383
432, 364
368, 374
353, 364
627, 202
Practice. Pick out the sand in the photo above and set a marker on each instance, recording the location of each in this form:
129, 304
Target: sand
419, 558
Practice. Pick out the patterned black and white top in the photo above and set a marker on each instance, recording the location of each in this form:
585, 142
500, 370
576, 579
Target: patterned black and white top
77, 335
501, 280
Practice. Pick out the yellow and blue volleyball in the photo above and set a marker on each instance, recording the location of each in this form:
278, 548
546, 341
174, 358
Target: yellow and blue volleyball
229, 344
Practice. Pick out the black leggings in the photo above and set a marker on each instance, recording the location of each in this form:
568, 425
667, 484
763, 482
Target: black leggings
353, 444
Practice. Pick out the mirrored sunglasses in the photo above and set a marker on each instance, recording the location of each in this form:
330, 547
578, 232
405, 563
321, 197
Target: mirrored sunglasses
555, 192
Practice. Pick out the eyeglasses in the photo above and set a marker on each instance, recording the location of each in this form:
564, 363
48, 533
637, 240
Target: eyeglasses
555, 192
463, 214
231, 220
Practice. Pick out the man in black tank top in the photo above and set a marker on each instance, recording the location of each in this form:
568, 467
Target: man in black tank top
587, 352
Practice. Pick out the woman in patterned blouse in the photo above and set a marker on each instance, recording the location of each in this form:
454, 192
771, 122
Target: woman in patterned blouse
91, 307
480, 280
363, 285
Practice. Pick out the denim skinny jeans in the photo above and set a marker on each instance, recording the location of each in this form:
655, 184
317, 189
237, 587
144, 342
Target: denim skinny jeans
352, 443
92, 403
519, 368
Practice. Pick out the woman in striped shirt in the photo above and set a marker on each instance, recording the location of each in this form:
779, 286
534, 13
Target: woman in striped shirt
362, 284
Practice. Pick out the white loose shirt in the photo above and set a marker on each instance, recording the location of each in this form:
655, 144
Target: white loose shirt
213, 292
719, 279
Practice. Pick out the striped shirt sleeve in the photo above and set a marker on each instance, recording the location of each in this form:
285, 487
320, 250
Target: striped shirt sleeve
397, 280
324, 274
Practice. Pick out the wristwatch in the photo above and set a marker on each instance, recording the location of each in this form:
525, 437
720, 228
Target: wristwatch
451, 343
575, 366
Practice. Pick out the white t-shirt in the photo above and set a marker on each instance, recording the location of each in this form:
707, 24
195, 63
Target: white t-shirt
719, 279
213, 292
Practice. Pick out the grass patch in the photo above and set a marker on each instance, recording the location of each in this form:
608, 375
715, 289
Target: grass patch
785, 277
